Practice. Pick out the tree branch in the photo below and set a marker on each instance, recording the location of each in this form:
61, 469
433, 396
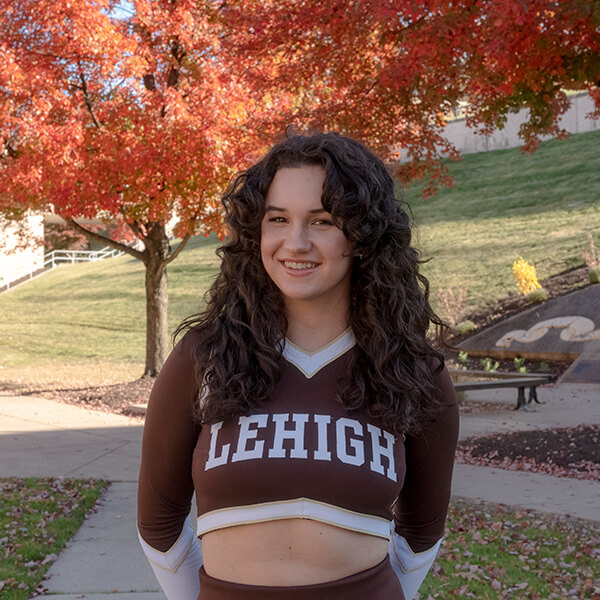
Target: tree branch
178, 54
180, 247
9, 149
104, 240
48, 54
86, 97
149, 82
137, 229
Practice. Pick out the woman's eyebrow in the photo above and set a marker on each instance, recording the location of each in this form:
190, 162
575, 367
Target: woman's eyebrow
313, 211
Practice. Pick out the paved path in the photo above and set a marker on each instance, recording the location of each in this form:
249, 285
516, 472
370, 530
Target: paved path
44, 438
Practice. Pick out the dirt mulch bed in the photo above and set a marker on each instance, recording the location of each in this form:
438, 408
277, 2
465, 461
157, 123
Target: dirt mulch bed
570, 452
115, 398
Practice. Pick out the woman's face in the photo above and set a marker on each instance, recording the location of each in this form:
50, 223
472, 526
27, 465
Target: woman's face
306, 255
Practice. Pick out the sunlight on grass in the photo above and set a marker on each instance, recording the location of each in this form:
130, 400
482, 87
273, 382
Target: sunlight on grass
96, 311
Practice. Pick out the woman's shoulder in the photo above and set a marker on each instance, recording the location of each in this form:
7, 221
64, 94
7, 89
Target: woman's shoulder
188, 341
182, 357
442, 382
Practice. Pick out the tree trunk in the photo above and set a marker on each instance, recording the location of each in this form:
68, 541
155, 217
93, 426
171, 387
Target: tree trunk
157, 333
155, 256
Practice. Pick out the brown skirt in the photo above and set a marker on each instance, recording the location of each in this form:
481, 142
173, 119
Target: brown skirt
376, 583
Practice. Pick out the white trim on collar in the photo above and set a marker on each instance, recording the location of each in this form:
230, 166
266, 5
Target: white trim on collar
310, 363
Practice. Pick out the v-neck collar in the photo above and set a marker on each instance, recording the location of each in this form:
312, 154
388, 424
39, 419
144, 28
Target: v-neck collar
310, 363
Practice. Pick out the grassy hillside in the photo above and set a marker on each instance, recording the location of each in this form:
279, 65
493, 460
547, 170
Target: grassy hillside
93, 312
503, 205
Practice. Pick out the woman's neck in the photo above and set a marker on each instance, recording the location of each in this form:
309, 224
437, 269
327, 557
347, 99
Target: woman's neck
311, 329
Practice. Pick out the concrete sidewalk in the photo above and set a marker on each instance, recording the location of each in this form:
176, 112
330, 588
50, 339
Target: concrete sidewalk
41, 438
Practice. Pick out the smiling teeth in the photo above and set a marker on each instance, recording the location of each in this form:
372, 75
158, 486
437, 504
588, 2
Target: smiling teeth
299, 265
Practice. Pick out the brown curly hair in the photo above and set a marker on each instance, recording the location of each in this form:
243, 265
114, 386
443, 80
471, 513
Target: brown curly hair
390, 373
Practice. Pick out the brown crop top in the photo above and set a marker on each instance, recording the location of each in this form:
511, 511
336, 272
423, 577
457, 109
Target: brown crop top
299, 455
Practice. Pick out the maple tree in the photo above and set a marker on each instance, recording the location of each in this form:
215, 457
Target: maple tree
391, 71
143, 112
130, 118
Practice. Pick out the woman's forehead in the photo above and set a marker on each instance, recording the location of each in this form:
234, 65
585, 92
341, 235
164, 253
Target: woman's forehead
297, 186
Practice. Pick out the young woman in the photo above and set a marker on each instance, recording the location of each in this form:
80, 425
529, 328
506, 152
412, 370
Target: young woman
305, 406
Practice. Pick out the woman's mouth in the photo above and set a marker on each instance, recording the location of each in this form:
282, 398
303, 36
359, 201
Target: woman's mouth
299, 265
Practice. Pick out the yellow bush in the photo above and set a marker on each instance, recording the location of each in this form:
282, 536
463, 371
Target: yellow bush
525, 275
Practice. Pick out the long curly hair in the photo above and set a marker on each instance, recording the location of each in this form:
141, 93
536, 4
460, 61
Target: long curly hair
391, 370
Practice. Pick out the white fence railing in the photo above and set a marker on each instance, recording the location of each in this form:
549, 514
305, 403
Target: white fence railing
57, 257
60, 257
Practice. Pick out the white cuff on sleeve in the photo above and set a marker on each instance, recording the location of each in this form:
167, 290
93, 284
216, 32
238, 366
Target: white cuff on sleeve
410, 567
177, 569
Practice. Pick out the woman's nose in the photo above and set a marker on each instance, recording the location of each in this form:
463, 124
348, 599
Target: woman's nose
298, 239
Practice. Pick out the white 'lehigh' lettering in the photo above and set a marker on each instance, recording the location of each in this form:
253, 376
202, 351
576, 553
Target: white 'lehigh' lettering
349, 446
247, 434
213, 459
296, 434
358, 458
322, 453
379, 451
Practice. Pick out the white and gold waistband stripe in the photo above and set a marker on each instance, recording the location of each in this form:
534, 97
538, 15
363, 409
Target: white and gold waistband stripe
299, 508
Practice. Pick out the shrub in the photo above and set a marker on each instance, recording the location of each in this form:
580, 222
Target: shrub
520, 364
590, 255
525, 275
489, 364
464, 327
594, 275
452, 303
538, 295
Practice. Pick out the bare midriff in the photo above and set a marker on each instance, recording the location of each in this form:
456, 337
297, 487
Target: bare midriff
289, 552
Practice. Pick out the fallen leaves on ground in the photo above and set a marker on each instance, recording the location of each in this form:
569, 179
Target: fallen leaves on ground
114, 398
37, 518
494, 553
569, 452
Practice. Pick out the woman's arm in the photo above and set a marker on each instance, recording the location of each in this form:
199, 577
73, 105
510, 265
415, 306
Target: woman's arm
421, 508
165, 484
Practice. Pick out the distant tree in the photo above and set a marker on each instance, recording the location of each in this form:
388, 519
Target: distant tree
63, 237
139, 113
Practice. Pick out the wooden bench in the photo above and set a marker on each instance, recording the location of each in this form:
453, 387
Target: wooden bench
521, 381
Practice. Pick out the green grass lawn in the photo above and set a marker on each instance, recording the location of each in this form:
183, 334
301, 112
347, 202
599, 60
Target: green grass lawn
503, 205
495, 553
93, 312
37, 519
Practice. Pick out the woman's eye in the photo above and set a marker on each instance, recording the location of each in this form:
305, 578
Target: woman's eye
323, 222
276, 220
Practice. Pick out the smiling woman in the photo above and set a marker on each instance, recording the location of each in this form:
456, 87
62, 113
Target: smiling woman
305, 254
305, 407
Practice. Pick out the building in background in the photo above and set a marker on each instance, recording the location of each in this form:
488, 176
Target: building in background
467, 141
21, 248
